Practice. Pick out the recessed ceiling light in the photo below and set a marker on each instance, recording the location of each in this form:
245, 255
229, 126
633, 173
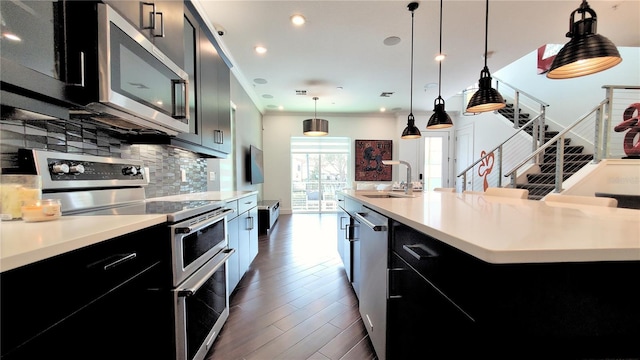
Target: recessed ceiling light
260, 81
267, 96
261, 49
383, 109
298, 20
391, 40
280, 107
440, 57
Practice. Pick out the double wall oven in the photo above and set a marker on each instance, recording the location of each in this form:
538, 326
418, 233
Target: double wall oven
195, 297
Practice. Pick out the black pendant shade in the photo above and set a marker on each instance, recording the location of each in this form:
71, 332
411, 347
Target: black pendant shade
411, 131
486, 98
587, 52
440, 119
315, 126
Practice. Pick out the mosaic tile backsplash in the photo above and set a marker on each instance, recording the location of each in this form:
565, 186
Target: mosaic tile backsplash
73, 136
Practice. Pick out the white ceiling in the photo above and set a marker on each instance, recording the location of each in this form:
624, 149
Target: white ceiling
339, 55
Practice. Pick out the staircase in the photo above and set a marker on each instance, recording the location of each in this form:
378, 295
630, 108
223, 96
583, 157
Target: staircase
542, 183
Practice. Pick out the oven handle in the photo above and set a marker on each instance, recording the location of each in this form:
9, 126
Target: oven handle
202, 224
203, 279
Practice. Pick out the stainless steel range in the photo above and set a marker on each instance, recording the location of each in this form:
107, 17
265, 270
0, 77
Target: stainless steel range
197, 235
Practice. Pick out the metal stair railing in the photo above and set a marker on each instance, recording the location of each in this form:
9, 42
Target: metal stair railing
515, 142
559, 142
597, 124
500, 151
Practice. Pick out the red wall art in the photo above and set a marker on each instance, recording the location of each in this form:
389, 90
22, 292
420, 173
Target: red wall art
369, 155
485, 167
630, 121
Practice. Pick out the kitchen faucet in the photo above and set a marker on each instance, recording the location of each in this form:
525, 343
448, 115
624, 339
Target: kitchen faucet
409, 186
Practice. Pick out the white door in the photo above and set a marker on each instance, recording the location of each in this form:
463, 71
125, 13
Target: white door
464, 156
436, 160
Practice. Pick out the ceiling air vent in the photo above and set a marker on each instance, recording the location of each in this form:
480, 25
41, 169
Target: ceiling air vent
301, 92
386, 94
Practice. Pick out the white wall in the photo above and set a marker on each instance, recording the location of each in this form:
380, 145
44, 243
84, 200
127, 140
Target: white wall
278, 130
570, 99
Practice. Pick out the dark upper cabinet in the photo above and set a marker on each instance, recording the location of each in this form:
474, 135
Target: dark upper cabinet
160, 21
32, 59
209, 77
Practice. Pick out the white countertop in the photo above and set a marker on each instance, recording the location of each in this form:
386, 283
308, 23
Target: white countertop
506, 230
23, 243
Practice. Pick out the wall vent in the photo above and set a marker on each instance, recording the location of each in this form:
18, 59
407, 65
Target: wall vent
386, 94
301, 92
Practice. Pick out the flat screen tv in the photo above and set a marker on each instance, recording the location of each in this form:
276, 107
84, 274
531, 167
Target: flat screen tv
256, 165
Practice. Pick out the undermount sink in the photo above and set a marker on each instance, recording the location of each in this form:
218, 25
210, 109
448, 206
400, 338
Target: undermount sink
389, 195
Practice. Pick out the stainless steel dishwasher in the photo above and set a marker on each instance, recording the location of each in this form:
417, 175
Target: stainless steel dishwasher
374, 243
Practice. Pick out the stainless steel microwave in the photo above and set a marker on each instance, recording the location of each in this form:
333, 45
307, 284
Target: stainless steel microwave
122, 78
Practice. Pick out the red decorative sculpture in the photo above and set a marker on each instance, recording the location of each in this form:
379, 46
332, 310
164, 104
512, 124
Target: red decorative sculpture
632, 123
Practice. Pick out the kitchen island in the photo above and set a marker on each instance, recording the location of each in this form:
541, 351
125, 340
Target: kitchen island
481, 276
505, 230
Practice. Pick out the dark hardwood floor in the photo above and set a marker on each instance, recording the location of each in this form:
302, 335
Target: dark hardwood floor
295, 302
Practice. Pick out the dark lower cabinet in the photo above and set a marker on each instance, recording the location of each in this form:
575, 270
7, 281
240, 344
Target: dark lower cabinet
444, 303
98, 302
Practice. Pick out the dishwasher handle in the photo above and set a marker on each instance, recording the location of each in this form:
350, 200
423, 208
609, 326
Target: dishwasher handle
372, 226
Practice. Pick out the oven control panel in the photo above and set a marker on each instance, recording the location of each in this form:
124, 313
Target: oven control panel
65, 170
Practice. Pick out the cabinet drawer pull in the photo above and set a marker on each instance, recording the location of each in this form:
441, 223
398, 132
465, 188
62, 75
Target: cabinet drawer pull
120, 261
420, 251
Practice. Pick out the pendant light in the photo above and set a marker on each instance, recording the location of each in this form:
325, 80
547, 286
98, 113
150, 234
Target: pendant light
587, 52
486, 98
315, 126
440, 119
411, 131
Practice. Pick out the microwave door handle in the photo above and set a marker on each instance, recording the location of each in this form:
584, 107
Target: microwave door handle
82, 71
179, 91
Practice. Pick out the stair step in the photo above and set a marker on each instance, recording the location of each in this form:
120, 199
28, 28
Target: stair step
575, 149
529, 128
550, 158
537, 189
567, 141
546, 178
568, 166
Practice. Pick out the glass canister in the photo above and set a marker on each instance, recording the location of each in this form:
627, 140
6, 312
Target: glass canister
14, 189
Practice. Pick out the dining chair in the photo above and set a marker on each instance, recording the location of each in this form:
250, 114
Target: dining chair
507, 192
584, 200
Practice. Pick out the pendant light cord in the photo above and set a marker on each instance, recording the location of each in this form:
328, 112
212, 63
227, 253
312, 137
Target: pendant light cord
411, 90
440, 62
486, 33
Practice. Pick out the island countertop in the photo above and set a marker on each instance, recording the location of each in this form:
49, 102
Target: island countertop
502, 230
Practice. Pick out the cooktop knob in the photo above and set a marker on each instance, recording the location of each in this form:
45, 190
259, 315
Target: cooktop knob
76, 169
58, 169
130, 170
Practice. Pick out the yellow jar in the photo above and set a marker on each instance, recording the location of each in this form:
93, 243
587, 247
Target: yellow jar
14, 190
